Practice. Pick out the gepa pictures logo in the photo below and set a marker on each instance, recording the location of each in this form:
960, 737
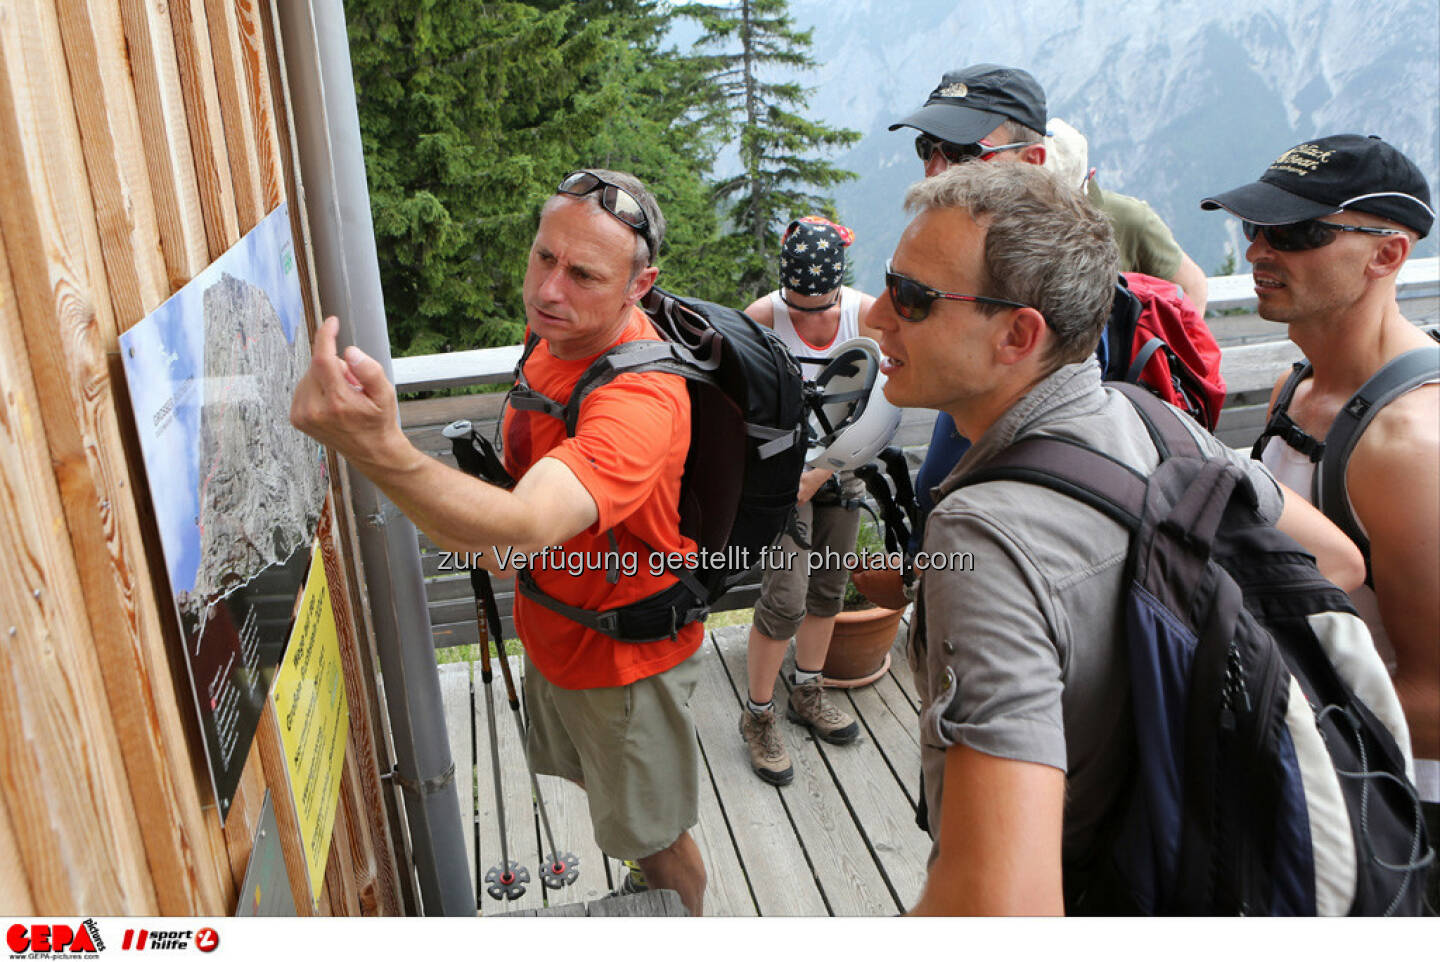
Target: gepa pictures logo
44, 938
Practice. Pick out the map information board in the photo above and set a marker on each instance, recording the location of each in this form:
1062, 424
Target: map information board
236, 490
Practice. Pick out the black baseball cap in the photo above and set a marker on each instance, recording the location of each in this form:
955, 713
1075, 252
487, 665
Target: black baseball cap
970, 103
1326, 176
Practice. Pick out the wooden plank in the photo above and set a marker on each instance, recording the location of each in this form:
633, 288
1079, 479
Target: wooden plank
53, 252
207, 136
872, 783
662, 903
727, 888
55, 751
282, 800
237, 121
900, 671
1239, 427
569, 812
249, 22
339, 864
521, 831
440, 411
114, 157
284, 120
14, 885
433, 372
459, 726
372, 834
165, 137
765, 841
848, 875
364, 860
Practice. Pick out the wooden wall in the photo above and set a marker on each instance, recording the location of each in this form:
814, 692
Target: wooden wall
139, 140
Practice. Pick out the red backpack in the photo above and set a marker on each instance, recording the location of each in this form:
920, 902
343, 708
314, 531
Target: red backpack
1159, 340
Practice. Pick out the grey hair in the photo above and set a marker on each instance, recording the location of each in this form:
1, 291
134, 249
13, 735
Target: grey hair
647, 246
1045, 246
1018, 133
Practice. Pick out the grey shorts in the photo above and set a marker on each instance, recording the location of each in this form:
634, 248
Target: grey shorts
791, 591
633, 747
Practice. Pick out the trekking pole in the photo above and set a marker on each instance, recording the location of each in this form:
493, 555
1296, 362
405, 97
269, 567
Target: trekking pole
506, 880
559, 870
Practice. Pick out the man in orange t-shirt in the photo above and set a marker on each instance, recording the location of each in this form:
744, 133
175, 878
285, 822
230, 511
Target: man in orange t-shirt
611, 715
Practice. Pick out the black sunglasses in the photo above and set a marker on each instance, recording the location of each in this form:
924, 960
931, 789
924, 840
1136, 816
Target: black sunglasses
926, 145
1306, 235
913, 300
616, 200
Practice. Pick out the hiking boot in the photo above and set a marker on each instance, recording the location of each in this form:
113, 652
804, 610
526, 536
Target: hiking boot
810, 707
767, 749
634, 880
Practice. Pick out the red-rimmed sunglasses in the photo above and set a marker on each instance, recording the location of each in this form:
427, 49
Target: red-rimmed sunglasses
1305, 235
913, 299
926, 145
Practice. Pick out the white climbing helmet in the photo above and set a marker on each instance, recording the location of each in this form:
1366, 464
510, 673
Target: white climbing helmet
854, 421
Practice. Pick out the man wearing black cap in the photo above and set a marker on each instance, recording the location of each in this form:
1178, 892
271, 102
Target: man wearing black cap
1330, 223
988, 112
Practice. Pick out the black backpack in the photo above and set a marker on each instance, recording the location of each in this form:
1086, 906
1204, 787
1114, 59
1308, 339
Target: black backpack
742, 473
1327, 489
1268, 777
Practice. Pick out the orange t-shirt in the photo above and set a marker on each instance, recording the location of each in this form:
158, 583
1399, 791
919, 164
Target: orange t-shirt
629, 452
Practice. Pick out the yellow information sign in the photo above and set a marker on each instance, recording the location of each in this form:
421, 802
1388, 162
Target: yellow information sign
314, 717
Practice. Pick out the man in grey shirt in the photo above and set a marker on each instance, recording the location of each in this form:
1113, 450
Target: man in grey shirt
994, 303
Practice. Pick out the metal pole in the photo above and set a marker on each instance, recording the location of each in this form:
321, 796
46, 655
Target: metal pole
337, 205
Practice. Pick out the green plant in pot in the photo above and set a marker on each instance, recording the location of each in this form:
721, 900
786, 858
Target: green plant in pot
864, 632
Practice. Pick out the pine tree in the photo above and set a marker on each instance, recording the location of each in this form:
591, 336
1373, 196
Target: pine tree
781, 175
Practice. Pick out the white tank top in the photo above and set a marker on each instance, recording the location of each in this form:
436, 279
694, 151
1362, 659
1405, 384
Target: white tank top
812, 357
1297, 472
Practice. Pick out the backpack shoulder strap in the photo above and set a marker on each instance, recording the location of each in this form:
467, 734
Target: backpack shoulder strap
1279, 425
1162, 422
1125, 312
632, 357
1077, 470
1400, 375
521, 396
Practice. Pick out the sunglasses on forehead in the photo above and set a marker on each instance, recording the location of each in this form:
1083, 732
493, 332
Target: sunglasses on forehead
616, 200
1306, 235
913, 299
926, 145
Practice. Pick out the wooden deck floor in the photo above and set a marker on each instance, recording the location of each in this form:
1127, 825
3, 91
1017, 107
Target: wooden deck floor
839, 840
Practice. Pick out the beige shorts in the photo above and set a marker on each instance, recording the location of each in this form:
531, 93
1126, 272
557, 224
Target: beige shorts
633, 747
800, 586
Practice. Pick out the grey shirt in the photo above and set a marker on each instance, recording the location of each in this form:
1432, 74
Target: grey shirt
1018, 644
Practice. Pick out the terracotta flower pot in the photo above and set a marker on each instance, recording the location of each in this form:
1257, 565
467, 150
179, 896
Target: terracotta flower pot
860, 646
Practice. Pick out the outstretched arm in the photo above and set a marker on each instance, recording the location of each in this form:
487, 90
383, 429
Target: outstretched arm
347, 404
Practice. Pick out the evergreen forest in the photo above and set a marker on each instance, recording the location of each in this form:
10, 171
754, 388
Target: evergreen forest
471, 112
